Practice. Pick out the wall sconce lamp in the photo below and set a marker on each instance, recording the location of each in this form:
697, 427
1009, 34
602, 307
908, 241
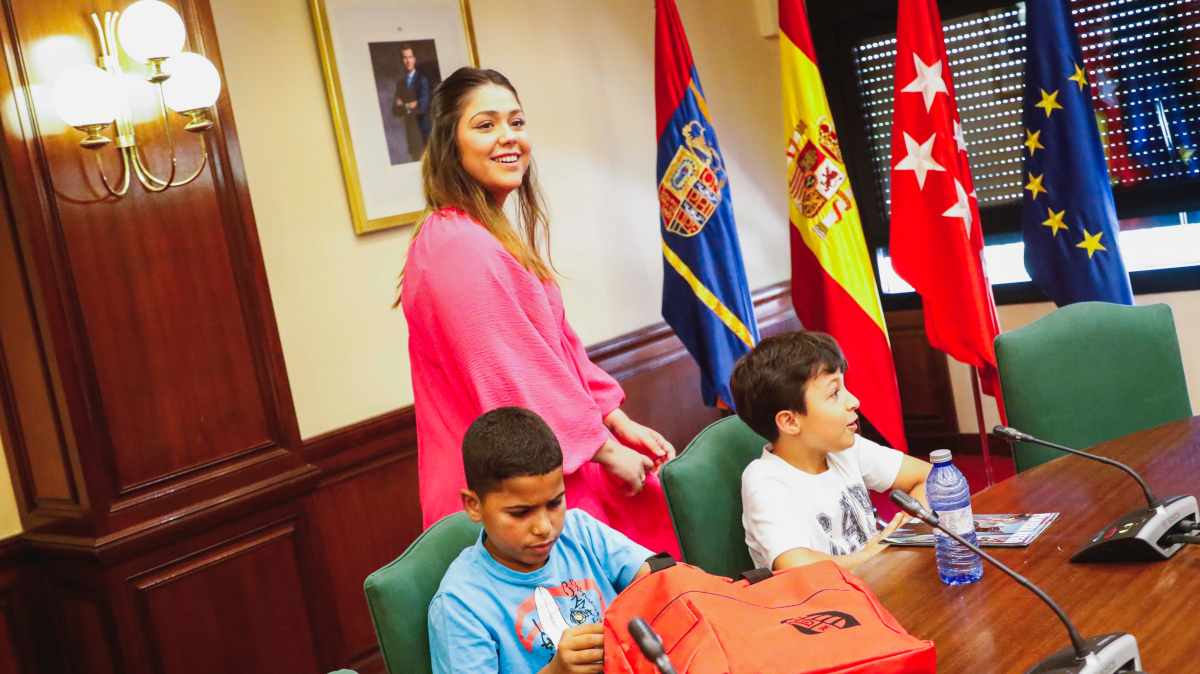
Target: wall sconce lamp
91, 98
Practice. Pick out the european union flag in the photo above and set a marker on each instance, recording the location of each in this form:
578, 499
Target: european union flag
1069, 218
705, 295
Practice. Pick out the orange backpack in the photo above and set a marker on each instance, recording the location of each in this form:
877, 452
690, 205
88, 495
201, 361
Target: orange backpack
816, 618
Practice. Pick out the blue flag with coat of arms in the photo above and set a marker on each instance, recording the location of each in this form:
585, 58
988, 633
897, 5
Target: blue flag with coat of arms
705, 296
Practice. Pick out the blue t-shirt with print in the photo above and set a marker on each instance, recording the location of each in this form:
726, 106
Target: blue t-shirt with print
487, 617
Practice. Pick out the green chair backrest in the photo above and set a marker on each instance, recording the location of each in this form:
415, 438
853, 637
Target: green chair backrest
399, 593
1090, 372
704, 493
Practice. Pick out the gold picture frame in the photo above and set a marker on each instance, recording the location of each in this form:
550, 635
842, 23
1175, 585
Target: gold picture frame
379, 134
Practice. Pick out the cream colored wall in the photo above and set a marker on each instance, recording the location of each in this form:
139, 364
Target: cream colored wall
1185, 306
585, 71
10, 521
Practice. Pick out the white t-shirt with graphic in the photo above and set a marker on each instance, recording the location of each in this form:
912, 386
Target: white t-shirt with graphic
784, 507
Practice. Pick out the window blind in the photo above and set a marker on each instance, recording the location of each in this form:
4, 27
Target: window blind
1143, 62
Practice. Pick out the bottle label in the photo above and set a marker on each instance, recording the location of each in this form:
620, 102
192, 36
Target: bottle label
959, 521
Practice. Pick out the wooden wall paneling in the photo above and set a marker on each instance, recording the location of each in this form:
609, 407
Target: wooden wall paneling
361, 519
243, 608
84, 624
47, 481
146, 278
26, 393
364, 513
232, 593
159, 338
924, 377
17, 609
79, 635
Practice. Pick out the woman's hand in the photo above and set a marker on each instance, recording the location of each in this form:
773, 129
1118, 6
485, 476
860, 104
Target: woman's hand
625, 464
641, 438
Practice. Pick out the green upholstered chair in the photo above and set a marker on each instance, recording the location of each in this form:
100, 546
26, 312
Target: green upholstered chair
704, 492
398, 594
1090, 372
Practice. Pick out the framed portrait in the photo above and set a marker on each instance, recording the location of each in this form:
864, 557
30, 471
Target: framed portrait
382, 60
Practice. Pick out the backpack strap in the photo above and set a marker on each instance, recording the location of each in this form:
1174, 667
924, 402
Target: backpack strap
660, 561
756, 575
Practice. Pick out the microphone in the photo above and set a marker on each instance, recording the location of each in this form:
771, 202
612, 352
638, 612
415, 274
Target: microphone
650, 644
1153, 533
1106, 654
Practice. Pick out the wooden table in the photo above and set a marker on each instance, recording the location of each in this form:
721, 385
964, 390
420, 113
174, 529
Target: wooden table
996, 625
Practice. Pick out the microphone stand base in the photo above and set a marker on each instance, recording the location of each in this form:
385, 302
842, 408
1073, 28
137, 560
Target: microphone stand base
1137, 536
1107, 654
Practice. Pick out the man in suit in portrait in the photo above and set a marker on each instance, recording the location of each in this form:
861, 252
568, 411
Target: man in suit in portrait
412, 103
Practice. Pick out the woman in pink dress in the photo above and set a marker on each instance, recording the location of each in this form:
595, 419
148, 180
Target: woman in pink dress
487, 328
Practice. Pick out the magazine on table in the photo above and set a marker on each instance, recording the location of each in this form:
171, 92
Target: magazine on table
1005, 530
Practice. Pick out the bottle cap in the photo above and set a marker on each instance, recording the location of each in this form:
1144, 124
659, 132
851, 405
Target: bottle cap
939, 456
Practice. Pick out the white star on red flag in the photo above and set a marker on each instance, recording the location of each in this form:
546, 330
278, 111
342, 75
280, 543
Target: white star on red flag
919, 159
928, 82
959, 138
961, 208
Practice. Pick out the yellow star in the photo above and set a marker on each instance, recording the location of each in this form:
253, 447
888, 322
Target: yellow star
1049, 102
1032, 142
1091, 243
1079, 77
1055, 221
1035, 185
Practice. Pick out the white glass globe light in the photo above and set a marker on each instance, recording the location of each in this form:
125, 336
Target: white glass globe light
150, 29
85, 95
194, 83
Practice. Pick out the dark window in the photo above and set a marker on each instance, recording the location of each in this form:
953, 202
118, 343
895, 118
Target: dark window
1143, 59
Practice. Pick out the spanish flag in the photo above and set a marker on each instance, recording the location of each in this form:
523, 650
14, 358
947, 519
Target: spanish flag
833, 285
705, 296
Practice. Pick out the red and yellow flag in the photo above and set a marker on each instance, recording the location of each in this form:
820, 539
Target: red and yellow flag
833, 284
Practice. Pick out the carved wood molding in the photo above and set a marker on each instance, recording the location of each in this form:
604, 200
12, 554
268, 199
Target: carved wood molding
176, 525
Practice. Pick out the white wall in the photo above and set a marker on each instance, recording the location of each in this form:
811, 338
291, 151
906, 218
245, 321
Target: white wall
585, 72
1185, 306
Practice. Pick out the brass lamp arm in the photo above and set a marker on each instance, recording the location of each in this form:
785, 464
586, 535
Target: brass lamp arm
148, 180
124, 175
177, 183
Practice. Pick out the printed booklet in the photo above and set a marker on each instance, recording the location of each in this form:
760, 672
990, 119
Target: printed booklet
1003, 530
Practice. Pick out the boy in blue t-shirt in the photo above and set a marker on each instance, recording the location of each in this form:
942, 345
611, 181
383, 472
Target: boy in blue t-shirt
529, 596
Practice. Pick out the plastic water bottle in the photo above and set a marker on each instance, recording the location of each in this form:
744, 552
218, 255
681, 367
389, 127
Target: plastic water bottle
950, 497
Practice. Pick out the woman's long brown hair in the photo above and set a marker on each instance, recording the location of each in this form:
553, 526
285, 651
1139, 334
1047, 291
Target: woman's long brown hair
447, 183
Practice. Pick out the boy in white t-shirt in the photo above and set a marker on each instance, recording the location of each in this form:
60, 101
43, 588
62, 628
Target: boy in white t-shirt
805, 499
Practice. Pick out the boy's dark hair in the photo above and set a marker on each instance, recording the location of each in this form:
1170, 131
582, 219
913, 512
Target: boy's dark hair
773, 376
507, 442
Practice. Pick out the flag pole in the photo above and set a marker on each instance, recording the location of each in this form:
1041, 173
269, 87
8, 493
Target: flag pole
983, 435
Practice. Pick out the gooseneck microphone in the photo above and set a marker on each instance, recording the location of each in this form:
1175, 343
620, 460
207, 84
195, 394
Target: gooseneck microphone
1107, 654
1014, 434
650, 644
1153, 533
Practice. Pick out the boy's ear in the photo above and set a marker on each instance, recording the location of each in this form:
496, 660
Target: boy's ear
472, 504
789, 422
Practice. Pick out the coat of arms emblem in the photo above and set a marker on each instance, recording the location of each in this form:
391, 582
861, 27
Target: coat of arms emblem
690, 190
817, 176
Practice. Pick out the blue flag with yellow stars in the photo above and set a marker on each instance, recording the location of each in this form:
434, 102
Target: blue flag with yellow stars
1068, 215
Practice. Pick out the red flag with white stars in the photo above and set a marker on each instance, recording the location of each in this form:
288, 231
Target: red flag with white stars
936, 237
